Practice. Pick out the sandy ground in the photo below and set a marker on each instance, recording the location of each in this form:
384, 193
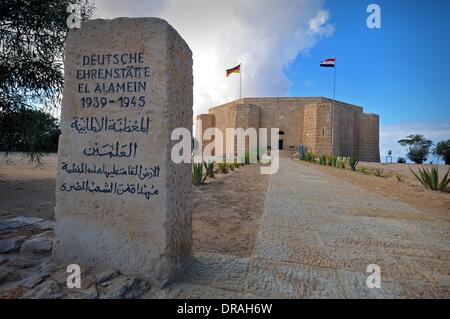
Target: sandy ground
26, 190
407, 190
226, 211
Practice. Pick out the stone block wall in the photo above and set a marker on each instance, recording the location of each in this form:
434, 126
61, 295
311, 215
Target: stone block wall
225, 117
247, 116
346, 129
207, 121
368, 138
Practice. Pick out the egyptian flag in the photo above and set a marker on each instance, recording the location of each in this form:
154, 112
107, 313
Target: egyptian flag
236, 69
328, 63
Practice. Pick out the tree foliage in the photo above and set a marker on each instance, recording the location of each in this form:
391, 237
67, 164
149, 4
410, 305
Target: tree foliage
32, 39
442, 150
38, 130
419, 148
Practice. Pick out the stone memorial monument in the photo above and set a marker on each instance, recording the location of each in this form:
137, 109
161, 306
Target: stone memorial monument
121, 201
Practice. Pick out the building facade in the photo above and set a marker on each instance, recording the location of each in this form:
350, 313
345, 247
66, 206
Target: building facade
323, 126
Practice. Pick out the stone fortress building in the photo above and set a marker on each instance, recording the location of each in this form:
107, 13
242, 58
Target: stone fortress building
308, 121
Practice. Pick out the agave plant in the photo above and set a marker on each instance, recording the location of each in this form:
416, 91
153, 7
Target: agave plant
223, 167
353, 163
378, 172
311, 157
334, 161
306, 157
363, 170
197, 174
331, 160
430, 179
209, 166
341, 163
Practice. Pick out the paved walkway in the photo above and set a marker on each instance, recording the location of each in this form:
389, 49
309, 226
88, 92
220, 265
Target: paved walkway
318, 235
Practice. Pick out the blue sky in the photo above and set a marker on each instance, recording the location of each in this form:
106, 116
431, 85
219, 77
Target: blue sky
399, 71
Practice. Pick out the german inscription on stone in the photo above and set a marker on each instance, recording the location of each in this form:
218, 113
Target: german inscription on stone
121, 202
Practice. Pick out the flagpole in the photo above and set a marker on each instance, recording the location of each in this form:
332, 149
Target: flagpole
240, 83
332, 107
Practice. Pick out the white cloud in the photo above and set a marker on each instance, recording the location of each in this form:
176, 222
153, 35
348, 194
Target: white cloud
264, 35
319, 25
391, 134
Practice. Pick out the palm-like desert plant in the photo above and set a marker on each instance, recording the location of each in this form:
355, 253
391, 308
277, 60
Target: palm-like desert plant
353, 163
197, 174
430, 179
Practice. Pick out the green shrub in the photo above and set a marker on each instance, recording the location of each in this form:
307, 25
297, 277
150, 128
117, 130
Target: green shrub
430, 179
323, 160
442, 150
209, 166
197, 174
353, 163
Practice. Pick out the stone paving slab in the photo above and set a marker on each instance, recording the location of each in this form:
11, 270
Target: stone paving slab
271, 279
217, 271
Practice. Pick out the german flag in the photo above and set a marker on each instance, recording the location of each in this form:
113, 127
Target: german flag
236, 69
